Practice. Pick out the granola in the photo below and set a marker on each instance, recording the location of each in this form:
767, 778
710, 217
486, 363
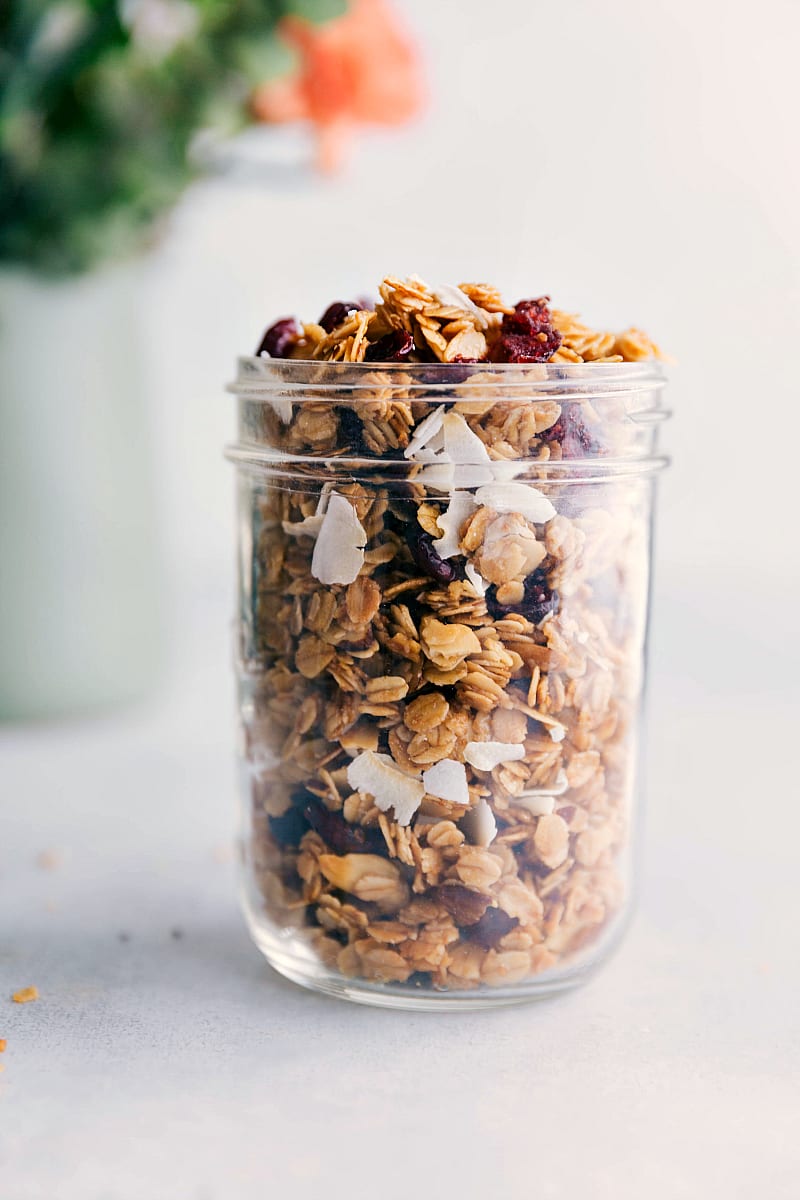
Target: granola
441, 640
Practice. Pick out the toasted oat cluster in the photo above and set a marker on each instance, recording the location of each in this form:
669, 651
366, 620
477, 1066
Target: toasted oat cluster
413, 322
442, 671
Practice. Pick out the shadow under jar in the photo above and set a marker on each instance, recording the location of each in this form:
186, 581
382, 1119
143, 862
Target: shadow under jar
441, 635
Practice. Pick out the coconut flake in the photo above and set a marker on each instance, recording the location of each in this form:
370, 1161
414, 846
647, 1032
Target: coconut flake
447, 780
460, 443
461, 506
469, 475
439, 475
479, 825
425, 433
281, 406
485, 756
520, 498
476, 579
450, 296
339, 552
506, 469
536, 804
308, 527
379, 776
557, 732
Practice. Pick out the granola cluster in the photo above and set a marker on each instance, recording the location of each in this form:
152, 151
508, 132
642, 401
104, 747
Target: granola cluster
441, 670
413, 322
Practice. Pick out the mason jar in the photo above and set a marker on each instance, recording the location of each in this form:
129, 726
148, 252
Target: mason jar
440, 651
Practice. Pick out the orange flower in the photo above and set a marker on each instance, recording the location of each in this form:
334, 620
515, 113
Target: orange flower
357, 69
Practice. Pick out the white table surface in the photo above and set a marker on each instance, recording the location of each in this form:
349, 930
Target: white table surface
174, 1064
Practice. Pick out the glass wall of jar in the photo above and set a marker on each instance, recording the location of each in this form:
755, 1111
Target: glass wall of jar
441, 635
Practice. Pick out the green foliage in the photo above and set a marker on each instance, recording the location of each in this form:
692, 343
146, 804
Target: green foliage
99, 103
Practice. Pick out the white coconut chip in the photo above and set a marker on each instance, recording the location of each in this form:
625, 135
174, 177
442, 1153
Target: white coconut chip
479, 825
520, 498
447, 779
280, 405
339, 552
476, 579
485, 756
557, 732
439, 475
461, 506
378, 776
468, 475
506, 469
460, 443
310, 526
450, 296
425, 433
537, 805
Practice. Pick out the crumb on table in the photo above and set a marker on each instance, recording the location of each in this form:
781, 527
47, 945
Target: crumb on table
25, 995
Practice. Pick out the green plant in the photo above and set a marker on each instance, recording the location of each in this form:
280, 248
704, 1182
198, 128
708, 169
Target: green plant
99, 103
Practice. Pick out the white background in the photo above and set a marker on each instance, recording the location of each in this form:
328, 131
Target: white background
638, 162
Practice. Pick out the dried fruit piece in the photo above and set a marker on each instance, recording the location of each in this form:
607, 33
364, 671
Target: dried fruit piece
339, 835
571, 432
421, 545
279, 338
527, 334
493, 925
465, 906
392, 347
336, 314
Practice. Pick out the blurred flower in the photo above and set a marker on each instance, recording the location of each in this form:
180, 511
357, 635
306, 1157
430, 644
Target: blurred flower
361, 68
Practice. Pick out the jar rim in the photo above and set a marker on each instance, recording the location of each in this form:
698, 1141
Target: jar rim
264, 376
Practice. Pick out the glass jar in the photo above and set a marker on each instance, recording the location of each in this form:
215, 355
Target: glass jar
441, 634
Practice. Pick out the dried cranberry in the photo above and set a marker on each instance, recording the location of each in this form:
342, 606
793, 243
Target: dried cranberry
540, 600
493, 925
424, 555
279, 338
351, 429
288, 829
339, 835
527, 334
571, 433
392, 347
465, 906
336, 313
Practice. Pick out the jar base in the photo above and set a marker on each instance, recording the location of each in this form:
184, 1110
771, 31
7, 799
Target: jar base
306, 971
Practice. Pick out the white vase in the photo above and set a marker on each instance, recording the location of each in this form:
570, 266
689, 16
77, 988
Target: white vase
79, 561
